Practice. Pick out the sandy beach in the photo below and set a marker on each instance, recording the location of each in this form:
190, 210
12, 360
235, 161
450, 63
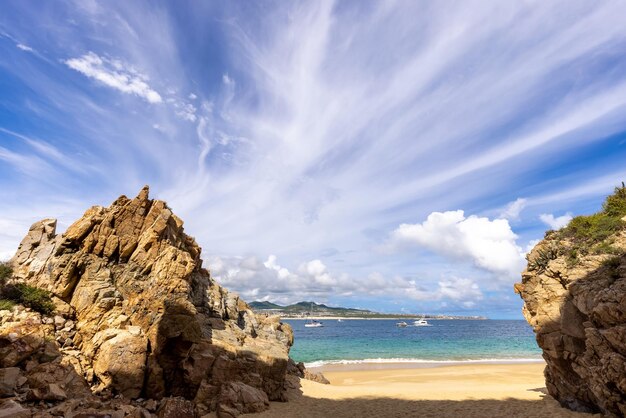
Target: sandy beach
477, 390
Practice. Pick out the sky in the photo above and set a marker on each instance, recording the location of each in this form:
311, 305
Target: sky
400, 156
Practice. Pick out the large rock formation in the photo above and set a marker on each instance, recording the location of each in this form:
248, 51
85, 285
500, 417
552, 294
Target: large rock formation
574, 290
139, 316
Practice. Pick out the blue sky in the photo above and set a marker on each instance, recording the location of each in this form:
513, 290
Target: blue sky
398, 156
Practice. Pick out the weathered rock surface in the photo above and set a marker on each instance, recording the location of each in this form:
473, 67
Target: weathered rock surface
238, 398
12, 409
8, 381
177, 408
138, 316
316, 377
578, 312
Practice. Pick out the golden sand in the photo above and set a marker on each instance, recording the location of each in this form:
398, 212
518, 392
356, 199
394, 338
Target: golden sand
472, 391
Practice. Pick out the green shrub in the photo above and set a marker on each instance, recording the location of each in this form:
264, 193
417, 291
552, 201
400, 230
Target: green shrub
593, 228
539, 262
6, 305
615, 205
33, 297
572, 257
587, 231
613, 265
606, 247
5, 273
37, 299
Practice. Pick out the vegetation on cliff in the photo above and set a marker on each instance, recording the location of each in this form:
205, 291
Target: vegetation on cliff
13, 293
591, 234
574, 292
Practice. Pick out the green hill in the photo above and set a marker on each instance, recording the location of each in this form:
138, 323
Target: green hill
304, 308
264, 305
311, 308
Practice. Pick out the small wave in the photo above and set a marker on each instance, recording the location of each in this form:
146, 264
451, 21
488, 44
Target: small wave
321, 363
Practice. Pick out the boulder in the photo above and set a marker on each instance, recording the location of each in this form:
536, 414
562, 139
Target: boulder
11, 409
177, 408
8, 381
237, 398
316, 377
55, 381
21, 336
120, 361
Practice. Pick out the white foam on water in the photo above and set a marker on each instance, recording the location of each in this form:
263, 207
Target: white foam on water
321, 363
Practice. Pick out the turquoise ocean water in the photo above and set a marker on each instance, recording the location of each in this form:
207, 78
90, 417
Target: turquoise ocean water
380, 341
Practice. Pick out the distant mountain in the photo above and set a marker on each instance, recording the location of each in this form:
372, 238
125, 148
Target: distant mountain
304, 308
264, 305
311, 308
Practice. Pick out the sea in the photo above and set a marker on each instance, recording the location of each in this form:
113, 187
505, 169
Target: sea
355, 341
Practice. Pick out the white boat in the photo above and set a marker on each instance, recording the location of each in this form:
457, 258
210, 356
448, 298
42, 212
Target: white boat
340, 320
421, 323
401, 324
312, 323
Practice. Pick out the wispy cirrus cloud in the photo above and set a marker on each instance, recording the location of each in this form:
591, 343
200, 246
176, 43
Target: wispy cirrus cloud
24, 47
115, 74
514, 209
314, 130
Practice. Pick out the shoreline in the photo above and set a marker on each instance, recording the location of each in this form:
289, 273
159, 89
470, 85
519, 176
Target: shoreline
400, 364
369, 318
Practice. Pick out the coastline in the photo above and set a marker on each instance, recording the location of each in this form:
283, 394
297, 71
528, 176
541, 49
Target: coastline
399, 364
368, 318
468, 390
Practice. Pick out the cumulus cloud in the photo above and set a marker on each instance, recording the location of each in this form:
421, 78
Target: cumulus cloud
531, 244
458, 289
6, 255
256, 279
489, 244
115, 74
513, 209
268, 280
555, 222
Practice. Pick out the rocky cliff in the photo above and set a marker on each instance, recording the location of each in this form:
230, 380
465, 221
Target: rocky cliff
138, 317
574, 292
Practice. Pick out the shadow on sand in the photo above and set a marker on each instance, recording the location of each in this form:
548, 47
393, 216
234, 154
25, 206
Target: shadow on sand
302, 406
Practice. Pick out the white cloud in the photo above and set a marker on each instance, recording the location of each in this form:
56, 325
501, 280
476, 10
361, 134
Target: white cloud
24, 47
513, 209
115, 74
256, 280
269, 280
459, 289
326, 96
555, 223
531, 244
490, 244
6, 255
192, 96
185, 111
